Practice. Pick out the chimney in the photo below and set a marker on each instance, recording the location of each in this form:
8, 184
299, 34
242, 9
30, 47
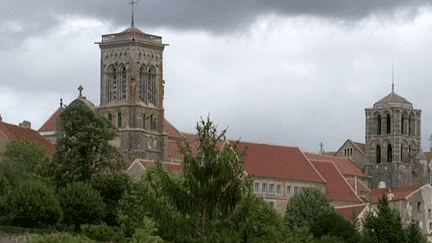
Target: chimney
25, 124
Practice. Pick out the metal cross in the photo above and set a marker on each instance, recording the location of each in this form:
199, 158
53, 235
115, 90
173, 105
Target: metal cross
80, 88
132, 23
322, 145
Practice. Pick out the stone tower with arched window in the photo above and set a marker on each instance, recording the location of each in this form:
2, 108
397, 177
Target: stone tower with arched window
132, 91
393, 142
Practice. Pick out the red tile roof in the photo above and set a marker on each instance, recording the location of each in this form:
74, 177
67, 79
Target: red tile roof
349, 211
337, 188
400, 193
358, 186
169, 166
428, 156
279, 162
171, 131
13, 131
346, 166
51, 123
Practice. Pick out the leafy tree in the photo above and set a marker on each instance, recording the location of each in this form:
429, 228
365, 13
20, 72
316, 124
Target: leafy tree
85, 154
32, 203
146, 234
414, 233
304, 208
385, 227
20, 159
84, 150
333, 224
81, 204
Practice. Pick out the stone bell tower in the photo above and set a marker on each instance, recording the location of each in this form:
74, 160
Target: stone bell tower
393, 142
132, 91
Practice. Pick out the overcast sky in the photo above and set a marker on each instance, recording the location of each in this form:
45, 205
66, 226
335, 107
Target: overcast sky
283, 72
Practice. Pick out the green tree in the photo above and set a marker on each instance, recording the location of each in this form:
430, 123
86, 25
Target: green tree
32, 203
385, 226
85, 154
414, 233
81, 204
306, 206
20, 160
333, 224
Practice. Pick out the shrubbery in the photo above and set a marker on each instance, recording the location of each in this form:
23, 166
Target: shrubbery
81, 204
59, 238
31, 204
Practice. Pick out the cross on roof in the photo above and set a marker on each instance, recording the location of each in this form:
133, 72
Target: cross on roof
80, 88
321, 145
132, 22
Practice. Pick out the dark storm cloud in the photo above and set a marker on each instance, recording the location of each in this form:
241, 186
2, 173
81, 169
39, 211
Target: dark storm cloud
212, 15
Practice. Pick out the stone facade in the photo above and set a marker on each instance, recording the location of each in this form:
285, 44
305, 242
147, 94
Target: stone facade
353, 151
393, 142
132, 92
278, 191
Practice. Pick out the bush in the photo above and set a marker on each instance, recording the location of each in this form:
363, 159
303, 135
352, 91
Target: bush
146, 234
32, 204
81, 204
98, 232
59, 238
333, 224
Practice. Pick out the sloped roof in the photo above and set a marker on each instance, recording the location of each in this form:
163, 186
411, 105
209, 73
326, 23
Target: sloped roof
357, 186
13, 131
361, 146
392, 99
337, 188
169, 166
428, 156
400, 193
171, 131
346, 166
51, 123
352, 210
132, 30
278, 162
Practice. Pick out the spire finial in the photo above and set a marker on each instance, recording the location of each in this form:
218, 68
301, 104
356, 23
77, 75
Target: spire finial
393, 78
132, 22
80, 88
61, 102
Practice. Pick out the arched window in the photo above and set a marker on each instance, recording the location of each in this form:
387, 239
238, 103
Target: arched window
151, 86
388, 124
123, 83
409, 153
402, 124
378, 154
143, 84
379, 125
409, 125
389, 153
151, 122
119, 120
401, 153
350, 151
112, 84
109, 117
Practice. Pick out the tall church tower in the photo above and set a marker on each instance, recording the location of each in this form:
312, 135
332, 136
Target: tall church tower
393, 142
132, 91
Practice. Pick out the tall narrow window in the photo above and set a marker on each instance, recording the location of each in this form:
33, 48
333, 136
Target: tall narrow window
110, 117
388, 124
123, 95
402, 124
401, 157
409, 153
152, 122
112, 86
119, 120
149, 87
378, 154
350, 151
409, 125
389, 153
143, 84
379, 125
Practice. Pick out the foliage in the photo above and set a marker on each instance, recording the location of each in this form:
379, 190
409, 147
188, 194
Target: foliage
112, 188
59, 238
414, 233
333, 224
146, 234
32, 203
20, 159
385, 227
84, 150
98, 232
330, 239
81, 204
306, 206
299, 235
